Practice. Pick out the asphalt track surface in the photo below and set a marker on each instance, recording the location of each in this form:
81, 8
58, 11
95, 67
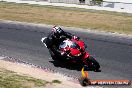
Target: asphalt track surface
113, 53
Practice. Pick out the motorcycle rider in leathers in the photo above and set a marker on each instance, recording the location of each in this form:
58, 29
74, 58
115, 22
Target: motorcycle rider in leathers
55, 38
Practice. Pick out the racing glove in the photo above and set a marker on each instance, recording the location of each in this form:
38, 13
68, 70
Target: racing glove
76, 38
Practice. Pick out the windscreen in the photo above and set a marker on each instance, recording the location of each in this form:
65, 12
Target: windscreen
74, 45
68, 43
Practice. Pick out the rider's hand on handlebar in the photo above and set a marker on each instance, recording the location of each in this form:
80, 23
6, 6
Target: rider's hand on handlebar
76, 38
66, 52
62, 53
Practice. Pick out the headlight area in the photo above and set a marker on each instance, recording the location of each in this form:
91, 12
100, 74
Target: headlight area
78, 54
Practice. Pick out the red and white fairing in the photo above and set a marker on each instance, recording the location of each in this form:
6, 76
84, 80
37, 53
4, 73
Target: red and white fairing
72, 46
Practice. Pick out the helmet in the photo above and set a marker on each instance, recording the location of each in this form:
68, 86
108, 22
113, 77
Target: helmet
57, 30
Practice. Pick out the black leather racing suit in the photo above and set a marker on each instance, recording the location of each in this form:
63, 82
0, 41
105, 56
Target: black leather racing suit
56, 40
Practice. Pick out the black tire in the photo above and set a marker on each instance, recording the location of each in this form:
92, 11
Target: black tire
93, 64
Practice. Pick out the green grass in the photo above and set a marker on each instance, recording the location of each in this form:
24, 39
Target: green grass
9, 79
56, 81
70, 17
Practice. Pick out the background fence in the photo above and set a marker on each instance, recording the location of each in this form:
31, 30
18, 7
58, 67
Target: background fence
85, 2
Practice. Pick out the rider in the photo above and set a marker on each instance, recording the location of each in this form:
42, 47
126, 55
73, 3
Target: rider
54, 38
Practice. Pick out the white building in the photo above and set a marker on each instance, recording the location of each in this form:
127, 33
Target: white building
118, 4
64, 1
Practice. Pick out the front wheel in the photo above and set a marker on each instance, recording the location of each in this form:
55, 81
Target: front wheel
92, 64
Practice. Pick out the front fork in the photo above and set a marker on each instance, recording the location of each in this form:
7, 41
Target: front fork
85, 57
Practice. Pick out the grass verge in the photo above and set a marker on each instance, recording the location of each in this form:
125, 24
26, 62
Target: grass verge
71, 17
9, 79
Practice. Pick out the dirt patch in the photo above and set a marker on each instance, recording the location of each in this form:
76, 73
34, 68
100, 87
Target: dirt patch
26, 70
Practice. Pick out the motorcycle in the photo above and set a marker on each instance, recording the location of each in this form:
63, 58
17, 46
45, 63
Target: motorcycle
75, 53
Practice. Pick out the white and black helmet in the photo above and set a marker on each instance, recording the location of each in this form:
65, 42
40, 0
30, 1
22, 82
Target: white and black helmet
57, 30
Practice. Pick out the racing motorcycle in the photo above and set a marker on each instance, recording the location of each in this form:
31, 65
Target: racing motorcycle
75, 53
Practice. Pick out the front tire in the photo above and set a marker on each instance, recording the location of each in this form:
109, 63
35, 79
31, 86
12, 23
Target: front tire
93, 64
